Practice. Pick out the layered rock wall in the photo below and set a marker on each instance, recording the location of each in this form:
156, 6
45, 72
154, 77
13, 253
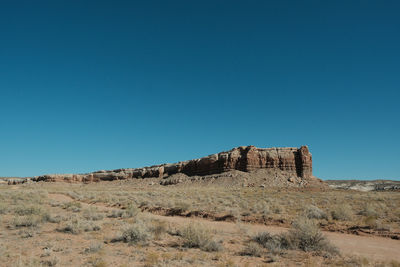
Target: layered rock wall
296, 161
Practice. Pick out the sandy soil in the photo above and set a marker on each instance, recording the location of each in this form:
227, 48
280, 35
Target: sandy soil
372, 247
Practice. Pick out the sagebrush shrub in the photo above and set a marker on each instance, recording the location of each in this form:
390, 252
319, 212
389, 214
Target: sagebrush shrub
342, 213
313, 212
131, 211
28, 210
197, 236
26, 221
134, 233
77, 226
252, 249
92, 214
304, 235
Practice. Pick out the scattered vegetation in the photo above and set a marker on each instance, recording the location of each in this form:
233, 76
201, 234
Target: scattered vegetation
77, 226
342, 213
74, 206
26, 221
134, 233
29, 217
130, 211
197, 236
3, 208
253, 249
304, 235
94, 248
158, 228
313, 212
92, 214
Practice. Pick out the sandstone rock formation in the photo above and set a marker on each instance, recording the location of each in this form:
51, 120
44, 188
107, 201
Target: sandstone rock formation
295, 161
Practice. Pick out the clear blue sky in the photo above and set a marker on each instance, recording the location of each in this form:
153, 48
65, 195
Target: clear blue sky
89, 85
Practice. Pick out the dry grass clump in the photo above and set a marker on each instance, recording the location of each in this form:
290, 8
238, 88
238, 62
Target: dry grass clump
53, 219
253, 249
197, 236
158, 228
274, 243
304, 235
134, 233
27, 232
97, 261
74, 206
374, 223
3, 208
26, 221
53, 261
77, 226
94, 248
313, 212
152, 259
342, 213
369, 210
74, 195
116, 214
93, 214
28, 210
130, 211
31, 217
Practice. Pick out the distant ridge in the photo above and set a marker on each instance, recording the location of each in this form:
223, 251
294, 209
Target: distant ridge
296, 162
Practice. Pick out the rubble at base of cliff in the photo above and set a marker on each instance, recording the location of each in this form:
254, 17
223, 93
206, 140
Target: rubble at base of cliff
243, 166
256, 178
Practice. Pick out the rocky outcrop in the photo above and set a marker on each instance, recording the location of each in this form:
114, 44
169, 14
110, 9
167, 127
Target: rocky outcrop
295, 161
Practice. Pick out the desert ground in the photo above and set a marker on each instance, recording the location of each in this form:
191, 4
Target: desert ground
140, 222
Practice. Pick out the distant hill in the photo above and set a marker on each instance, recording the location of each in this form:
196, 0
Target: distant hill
364, 185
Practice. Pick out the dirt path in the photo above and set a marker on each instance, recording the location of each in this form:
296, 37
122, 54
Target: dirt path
377, 248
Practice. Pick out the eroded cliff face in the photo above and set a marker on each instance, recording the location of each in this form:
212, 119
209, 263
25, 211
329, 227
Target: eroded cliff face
295, 161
